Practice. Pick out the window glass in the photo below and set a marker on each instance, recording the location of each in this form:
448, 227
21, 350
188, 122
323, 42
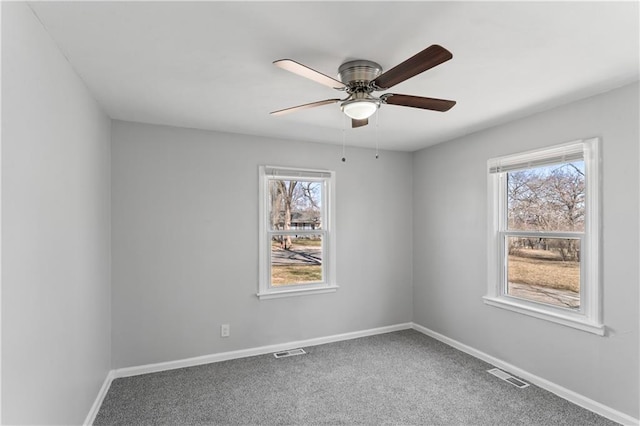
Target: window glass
549, 198
295, 204
296, 259
544, 270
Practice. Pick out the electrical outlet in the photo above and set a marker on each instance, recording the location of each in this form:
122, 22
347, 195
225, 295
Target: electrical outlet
224, 330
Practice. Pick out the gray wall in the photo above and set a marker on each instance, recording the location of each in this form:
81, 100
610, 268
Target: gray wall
185, 232
55, 231
450, 250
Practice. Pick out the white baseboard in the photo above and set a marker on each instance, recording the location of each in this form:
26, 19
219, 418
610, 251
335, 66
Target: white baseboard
261, 350
91, 417
562, 392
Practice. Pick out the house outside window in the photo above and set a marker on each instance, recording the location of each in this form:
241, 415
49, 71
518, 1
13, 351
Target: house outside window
543, 237
297, 241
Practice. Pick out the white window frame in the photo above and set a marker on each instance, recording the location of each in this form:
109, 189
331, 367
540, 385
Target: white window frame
589, 316
327, 177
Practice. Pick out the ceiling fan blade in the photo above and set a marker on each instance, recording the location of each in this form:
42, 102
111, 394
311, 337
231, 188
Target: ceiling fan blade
428, 58
305, 71
359, 123
305, 106
433, 104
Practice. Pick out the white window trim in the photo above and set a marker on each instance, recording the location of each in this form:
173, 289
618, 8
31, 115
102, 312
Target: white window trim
589, 316
265, 290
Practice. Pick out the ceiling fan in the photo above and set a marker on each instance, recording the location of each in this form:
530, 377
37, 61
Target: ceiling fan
360, 78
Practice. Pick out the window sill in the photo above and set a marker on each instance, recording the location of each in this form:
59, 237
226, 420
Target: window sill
541, 313
296, 292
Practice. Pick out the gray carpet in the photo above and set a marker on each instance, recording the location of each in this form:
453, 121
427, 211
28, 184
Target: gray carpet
396, 378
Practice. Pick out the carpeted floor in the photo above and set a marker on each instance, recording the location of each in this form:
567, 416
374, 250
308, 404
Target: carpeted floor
403, 378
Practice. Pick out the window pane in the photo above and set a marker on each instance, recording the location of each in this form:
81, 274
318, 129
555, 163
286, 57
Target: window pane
545, 270
550, 198
295, 204
296, 259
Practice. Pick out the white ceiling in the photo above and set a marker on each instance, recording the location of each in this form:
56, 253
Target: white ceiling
208, 65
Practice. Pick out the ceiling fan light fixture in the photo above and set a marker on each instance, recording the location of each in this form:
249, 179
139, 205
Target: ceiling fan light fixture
359, 109
359, 78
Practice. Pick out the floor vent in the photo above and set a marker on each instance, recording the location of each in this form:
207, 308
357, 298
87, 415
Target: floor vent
290, 352
508, 378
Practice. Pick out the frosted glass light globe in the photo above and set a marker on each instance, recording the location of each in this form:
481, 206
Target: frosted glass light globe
359, 109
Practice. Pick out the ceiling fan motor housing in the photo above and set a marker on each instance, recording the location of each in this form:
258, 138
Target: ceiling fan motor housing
358, 74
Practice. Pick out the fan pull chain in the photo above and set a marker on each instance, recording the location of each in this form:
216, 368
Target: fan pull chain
377, 133
344, 138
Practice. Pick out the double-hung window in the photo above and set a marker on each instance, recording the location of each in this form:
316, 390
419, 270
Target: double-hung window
296, 232
544, 234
